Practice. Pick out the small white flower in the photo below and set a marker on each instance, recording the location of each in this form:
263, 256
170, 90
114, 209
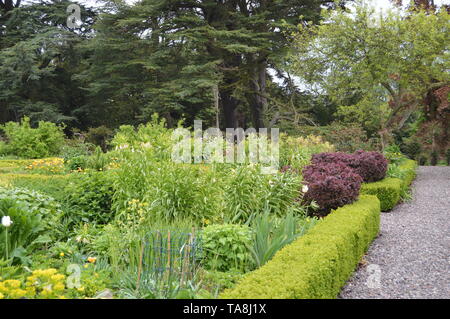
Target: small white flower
6, 221
305, 188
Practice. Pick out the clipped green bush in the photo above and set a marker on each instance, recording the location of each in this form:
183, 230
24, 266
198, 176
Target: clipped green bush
319, 263
409, 171
387, 190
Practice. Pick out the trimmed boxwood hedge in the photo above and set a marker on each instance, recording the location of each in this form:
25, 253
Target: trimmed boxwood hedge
409, 168
318, 264
387, 190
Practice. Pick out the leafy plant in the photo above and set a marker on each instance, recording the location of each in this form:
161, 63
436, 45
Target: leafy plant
270, 234
77, 163
225, 247
395, 171
89, 199
22, 234
249, 193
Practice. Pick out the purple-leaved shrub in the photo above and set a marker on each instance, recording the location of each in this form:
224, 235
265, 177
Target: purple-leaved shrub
331, 185
371, 166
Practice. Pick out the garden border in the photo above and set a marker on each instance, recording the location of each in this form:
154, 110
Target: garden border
318, 264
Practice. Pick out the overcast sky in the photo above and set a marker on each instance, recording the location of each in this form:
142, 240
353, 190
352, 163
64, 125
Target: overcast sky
382, 4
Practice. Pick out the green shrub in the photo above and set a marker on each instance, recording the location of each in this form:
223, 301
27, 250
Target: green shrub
225, 247
25, 141
387, 190
345, 138
154, 137
296, 152
394, 171
89, 199
319, 263
98, 160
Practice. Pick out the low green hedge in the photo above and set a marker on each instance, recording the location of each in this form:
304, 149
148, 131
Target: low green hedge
390, 190
387, 190
409, 168
318, 264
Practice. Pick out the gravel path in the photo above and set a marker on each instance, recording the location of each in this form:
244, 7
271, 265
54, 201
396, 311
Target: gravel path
411, 256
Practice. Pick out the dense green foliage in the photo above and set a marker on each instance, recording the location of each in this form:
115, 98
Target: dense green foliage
27, 142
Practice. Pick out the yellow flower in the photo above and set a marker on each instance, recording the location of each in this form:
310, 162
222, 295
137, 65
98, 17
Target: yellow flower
92, 260
61, 254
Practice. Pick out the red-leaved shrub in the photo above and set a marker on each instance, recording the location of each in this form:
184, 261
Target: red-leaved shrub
371, 166
336, 157
331, 185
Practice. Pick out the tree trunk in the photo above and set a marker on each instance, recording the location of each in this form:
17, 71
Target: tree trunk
257, 99
228, 102
229, 106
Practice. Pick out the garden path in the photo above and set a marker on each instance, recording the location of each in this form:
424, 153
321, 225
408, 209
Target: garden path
411, 256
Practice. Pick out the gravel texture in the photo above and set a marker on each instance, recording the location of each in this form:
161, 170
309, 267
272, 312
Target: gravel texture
411, 256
